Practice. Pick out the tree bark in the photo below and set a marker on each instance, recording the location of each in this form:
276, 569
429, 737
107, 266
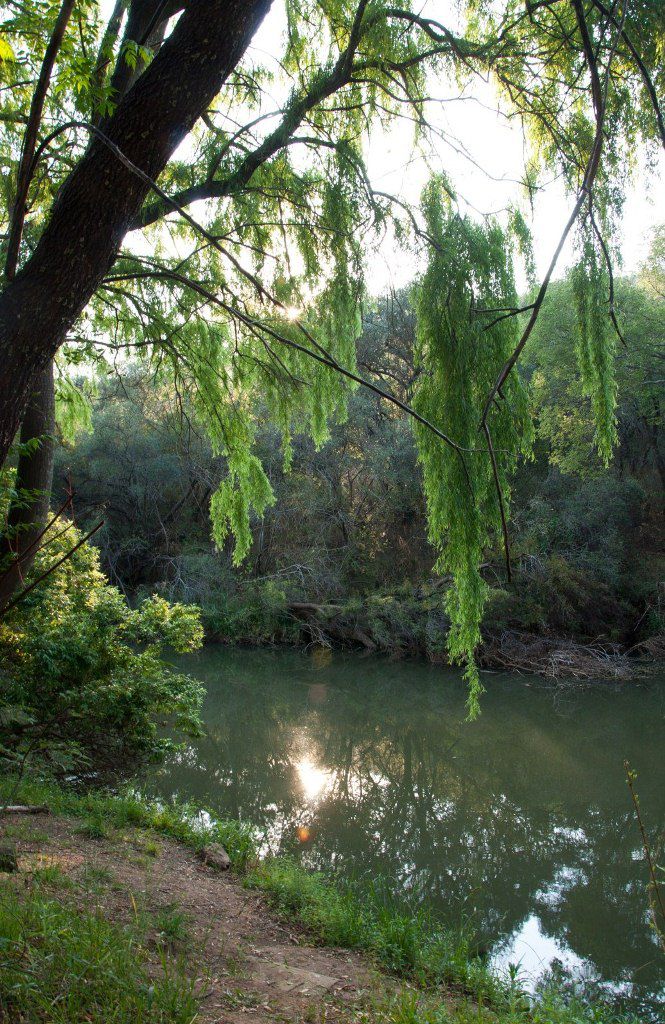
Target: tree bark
34, 473
102, 196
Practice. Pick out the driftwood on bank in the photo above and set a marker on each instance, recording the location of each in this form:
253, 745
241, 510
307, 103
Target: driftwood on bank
327, 622
25, 809
558, 657
509, 650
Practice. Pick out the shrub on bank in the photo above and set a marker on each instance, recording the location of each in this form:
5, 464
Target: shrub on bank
84, 682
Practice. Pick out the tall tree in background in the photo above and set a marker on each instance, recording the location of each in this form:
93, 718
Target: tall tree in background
111, 132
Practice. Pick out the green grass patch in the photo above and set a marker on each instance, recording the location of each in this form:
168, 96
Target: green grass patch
410, 944
94, 827
102, 813
172, 926
65, 966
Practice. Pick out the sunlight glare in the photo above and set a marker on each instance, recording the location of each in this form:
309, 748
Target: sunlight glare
312, 779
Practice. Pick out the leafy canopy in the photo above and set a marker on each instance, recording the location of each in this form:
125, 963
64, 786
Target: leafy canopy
254, 294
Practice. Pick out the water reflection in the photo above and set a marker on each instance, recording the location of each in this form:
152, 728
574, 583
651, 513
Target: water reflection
521, 819
313, 780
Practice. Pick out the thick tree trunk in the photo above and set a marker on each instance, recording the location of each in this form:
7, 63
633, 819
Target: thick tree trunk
28, 516
102, 196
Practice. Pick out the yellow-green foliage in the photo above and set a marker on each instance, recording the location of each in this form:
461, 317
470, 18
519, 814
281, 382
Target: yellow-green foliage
461, 352
596, 343
84, 676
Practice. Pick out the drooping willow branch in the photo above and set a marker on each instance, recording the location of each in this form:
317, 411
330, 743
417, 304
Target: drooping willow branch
319, 354
648, 82
599, 94
322, 355
610, 273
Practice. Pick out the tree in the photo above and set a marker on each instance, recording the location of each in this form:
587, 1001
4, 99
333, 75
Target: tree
563, 407
264, 297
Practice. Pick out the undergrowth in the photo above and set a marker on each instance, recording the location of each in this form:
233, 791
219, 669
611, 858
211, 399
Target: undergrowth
63, 965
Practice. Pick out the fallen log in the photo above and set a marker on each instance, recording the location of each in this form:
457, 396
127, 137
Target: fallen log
24, 809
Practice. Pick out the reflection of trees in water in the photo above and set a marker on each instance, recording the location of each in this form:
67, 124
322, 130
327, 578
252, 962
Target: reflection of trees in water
521, 812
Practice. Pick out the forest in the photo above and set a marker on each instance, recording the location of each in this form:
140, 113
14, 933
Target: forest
342, 557
332, 532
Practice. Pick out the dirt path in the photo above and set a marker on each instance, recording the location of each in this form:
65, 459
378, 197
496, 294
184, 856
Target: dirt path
250, 966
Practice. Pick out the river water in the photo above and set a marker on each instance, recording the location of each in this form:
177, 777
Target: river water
520, 821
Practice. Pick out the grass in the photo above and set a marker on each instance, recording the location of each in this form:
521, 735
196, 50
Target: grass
172, 926
63, 965
102, 813
94, 827
411, 945
417, 947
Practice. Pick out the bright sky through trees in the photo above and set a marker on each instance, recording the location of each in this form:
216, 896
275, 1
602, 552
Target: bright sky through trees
483, 155
480, 150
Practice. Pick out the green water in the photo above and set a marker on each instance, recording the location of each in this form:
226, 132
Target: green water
521, 820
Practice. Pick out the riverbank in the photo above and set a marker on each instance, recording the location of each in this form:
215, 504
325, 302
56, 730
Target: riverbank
112, 905
523, 631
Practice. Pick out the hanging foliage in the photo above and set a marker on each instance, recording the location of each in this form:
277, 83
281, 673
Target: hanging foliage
462, 343
596, 344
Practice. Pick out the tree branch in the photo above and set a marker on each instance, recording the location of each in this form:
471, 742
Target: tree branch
25, 167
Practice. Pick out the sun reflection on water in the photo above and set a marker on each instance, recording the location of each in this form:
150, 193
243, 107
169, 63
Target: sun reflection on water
312, 779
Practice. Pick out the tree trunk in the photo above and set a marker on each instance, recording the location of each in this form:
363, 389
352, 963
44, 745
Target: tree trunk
102, 196
28, 516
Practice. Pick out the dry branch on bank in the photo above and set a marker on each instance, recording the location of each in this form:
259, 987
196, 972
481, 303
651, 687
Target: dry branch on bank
510, 650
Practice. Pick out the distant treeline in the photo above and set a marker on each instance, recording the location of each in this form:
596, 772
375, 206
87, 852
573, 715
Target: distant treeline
342, 557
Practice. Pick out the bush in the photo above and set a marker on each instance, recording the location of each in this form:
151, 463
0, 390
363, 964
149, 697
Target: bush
255, 613
84, 682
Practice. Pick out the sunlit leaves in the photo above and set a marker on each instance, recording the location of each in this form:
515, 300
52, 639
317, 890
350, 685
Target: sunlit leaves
596, 344
461, 351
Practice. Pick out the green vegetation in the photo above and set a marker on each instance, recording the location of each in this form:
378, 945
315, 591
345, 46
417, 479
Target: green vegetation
65, 965
343, 557
102, 813
244, 430
84, 680
254, 314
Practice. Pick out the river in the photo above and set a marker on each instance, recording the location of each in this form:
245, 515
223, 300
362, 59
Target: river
521, 821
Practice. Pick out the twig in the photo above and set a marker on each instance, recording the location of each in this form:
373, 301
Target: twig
25, 809
502, 509
656, 897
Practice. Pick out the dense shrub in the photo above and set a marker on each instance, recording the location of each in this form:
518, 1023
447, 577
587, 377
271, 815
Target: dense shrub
83, 682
